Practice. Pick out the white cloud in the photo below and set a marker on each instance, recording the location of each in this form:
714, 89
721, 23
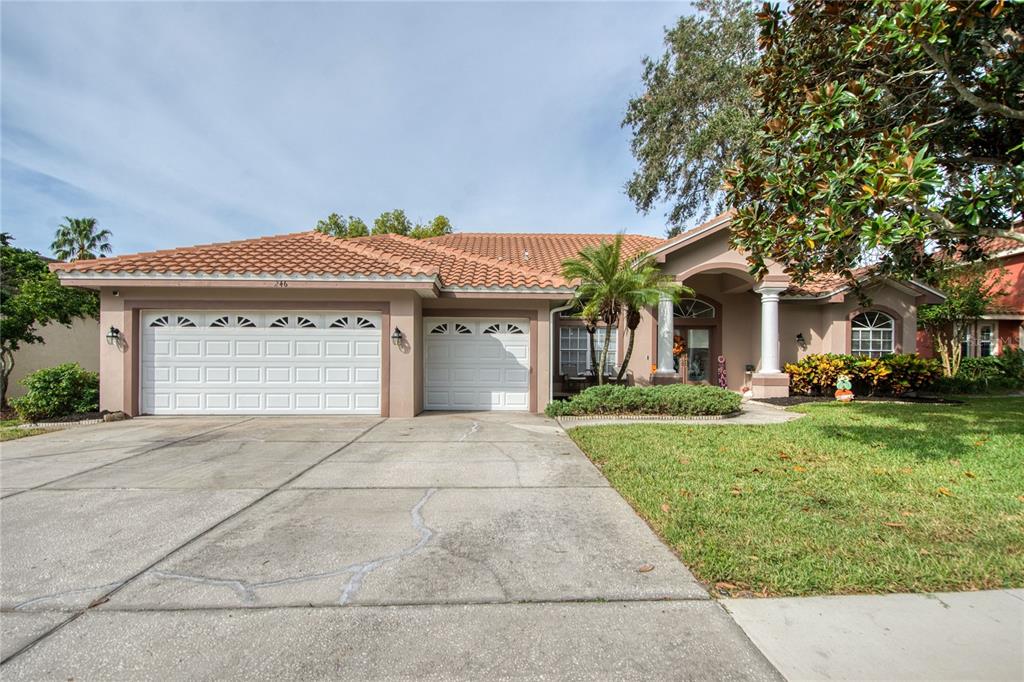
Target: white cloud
185, 123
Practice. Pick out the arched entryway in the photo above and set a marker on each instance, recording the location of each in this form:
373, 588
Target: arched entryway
697, 339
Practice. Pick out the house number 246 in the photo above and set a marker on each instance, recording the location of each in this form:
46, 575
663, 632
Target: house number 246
281, 283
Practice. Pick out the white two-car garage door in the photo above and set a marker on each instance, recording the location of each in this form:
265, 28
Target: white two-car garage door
474, 364
243, 362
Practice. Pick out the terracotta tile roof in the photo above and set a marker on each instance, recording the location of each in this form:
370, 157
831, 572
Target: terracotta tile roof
996, 245
312, 253
300, 253
823, 284
539, 251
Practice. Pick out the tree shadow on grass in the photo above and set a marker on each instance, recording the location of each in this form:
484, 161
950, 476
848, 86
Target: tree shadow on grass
927, 431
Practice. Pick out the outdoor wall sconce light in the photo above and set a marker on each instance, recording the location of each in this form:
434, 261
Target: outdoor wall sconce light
113, 336
397, 336
801, 341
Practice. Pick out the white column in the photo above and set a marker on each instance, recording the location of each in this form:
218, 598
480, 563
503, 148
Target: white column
666, 318
770, 330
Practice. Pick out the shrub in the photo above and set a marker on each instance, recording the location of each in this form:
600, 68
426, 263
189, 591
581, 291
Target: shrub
981, 375
57, 392
1011, 363
887, 375
676, 399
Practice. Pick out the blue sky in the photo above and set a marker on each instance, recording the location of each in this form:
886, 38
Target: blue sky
177, 124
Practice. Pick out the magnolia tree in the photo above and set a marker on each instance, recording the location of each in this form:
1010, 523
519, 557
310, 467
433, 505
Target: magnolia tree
971, 291
890, 128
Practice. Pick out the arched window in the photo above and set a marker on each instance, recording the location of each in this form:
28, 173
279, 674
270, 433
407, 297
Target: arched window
872, 334
692, 307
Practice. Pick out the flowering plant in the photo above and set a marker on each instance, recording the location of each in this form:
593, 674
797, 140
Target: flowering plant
678, 345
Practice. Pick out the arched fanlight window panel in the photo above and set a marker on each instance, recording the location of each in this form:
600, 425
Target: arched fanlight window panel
694, 308
279, 322
440, 328
304, 322
363, 323
873, 334
222, 321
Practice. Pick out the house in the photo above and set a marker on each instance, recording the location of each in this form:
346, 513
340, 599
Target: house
306, 323
1001, 327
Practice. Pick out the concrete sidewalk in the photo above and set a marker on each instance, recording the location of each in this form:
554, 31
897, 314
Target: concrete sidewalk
948, 636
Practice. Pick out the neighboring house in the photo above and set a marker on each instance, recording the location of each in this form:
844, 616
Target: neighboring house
307, 323
78, 343
1001, 327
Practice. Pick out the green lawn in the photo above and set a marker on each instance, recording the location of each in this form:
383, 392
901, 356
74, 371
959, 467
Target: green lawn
14, 434
851, 498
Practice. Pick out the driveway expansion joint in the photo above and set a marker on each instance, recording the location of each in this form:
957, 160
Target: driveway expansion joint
119, 586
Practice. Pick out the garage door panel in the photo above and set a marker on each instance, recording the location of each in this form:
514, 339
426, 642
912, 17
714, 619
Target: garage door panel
220, 365
218, 401
308, 401
367, 375
248, 375
278, 401
187, 375
338, 349
308, 349
187, 348
248, 401
248, 349
307, 375
367, 349
339, 375
214, 348
278, 349
278, 375
468, 369
218, 375
187, 400
338, 401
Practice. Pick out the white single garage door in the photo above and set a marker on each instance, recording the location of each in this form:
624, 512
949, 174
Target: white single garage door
474, 364
242, 362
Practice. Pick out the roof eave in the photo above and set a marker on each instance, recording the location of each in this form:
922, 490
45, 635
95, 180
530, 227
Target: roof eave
96, 280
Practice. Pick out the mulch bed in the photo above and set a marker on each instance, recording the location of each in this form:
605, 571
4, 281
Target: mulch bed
801, 399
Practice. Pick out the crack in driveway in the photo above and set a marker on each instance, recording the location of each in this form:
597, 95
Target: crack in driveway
247, 591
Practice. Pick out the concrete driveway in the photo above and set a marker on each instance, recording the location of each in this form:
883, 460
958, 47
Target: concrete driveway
450, 546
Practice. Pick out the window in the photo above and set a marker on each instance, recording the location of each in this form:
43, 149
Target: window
872, 334
691, 307
574, 351
985, 340
279, 322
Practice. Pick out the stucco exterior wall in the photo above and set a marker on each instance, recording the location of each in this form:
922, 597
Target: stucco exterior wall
77, 343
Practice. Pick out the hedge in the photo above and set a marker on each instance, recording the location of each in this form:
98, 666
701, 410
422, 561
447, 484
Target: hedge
681, 400
887, 375
59, 391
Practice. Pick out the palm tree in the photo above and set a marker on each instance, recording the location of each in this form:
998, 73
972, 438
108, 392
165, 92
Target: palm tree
607, 286
78, 239
598, 269
646, 286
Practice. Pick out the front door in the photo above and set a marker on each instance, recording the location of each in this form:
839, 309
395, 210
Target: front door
697, 355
